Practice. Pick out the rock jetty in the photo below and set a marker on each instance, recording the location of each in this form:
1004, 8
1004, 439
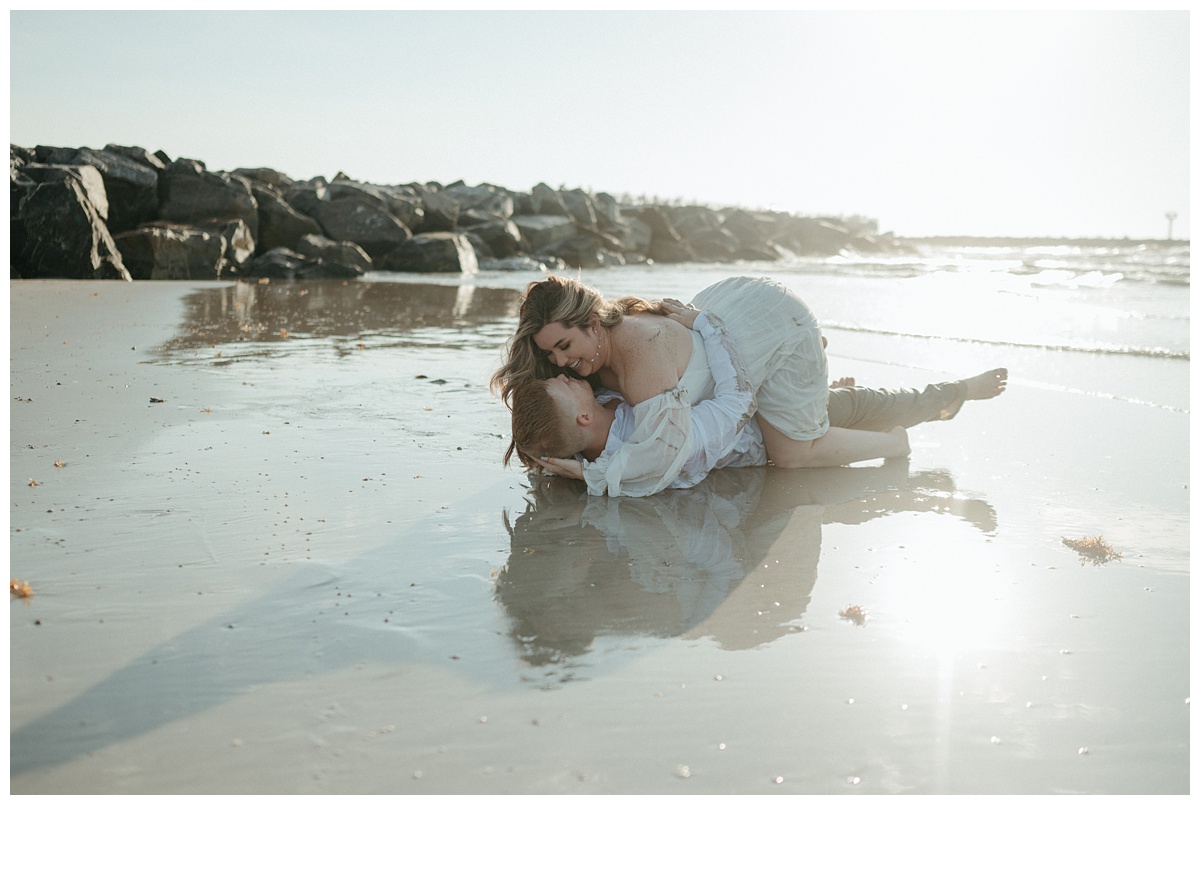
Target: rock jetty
126, 213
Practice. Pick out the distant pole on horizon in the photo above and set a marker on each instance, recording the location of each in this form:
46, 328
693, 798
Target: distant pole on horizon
1171, 216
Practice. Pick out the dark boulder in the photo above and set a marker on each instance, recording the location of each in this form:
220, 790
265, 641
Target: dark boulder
361, 219
403, 201
59, 233
343, 187
608, 211
545, 200
18, 156
278, 223
714, 244
815, 236
88, 177
665, 243
523, 264
54, 156
702, 230
751, 229
239, 242
441, 212
482, 200
691, 220
522, 205
405, 204
503, 237
580, 207
191, 193
635, 236
139, 155
541, 231
483, 252
19, 186
475, 217
264, 175
131, 186
338, 257
584, 250
285, 264
305, 196
438, 252
168, 251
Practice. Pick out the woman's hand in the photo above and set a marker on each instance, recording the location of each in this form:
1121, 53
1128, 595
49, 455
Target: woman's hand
568, 468
681, 313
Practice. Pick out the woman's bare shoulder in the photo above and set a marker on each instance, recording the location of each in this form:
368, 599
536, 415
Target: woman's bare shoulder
656, 352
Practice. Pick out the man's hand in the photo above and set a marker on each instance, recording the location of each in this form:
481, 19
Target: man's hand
568, 468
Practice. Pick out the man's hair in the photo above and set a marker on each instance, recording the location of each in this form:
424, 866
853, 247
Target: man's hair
539, 426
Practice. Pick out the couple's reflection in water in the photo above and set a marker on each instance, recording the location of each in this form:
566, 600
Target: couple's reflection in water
734, 558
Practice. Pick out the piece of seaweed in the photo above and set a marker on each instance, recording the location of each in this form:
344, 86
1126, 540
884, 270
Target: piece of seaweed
1095, 550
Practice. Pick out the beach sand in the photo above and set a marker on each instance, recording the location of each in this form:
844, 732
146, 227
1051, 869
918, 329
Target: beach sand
306, 571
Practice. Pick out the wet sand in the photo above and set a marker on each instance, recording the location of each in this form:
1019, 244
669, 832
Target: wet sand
305, 571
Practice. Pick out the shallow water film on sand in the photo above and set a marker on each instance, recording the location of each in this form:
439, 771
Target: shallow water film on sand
280, 554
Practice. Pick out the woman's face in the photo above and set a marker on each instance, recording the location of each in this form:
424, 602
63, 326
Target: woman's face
569, 347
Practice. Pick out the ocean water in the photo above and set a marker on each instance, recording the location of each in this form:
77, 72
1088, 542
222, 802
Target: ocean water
1112, 321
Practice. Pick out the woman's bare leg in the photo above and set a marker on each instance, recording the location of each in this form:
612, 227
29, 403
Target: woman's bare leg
837, 447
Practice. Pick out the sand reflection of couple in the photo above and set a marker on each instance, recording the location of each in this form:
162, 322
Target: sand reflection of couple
674, 391
688, 562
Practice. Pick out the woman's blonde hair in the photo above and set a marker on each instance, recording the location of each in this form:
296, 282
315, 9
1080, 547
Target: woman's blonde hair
555, 300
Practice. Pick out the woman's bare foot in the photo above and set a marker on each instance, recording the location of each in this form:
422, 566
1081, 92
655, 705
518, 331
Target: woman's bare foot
987, 384
842, 382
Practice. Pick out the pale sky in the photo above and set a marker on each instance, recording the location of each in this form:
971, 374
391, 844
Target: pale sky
989, 123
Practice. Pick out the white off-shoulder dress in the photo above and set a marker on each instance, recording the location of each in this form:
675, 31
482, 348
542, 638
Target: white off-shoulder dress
780, 344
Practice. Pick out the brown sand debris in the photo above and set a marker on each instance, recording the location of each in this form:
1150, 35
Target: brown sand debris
854, 613
19, 589
60, 463
1095, 550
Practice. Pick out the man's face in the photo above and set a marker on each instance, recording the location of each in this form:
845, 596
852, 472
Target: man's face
572, 396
